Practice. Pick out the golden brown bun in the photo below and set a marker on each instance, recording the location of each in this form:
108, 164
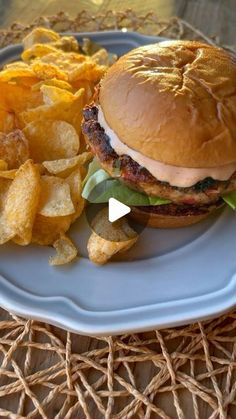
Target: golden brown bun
167, 221
175, 102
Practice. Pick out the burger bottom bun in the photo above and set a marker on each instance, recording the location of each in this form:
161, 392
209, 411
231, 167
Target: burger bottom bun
155, 220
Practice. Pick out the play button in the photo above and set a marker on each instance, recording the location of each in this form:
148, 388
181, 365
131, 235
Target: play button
117, 210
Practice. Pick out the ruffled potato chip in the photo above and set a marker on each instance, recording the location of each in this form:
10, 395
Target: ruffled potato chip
27, 82
6, 233
37, 50
101, 57
11, 73
67, 61
40, 36
14, 148
75, 183
47, 71
69, 111
67, 44
15, 98
52, 82
63, 167
108, 238
8, 121
15, 65
22, 202
50, 140
41, 169
3, 163
87, 70
8, 174
88, 87
4, 186
67, 66
55, 198
66, 252
20, 73
53, 94
48, 229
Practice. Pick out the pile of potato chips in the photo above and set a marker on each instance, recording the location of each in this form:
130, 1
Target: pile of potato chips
43, 157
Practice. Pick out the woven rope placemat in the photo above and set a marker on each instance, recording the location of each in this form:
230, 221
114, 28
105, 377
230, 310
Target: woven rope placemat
186, 372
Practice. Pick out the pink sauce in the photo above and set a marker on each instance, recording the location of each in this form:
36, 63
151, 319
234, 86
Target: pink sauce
174, 175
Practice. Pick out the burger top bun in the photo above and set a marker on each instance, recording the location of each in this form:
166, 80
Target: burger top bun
174, 102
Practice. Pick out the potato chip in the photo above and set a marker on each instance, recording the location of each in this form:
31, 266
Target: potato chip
55, 198
50, 140
53, 94
68, 66
108, 238
74, 180
101, 57
89, 47
13, 72
101, 250
8, 121
66, 61
66, 251
48, 229
19, 74
81, 203
37, 50
15, 65
15, 98
14, 148
6, 233
47, 71
63, 167
4, 186
41, 168
52, 82
27, 82
75, 183
85, 157
3, 163
88, 87
20, 78
22, 201
70, 112
40, 36
8, 174
67, 44
87, 70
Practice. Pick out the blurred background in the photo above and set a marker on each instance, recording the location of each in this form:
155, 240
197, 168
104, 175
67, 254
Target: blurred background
216, 18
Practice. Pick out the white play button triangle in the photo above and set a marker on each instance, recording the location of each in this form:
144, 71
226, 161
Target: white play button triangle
116, 210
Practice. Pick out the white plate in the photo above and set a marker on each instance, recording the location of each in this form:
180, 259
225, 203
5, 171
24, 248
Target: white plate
169, 278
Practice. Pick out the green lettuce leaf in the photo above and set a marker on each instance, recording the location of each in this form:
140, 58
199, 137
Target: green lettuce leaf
230, 199
93, 167
100, 187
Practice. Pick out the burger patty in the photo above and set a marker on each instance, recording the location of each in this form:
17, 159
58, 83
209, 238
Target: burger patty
175, 210
126, 169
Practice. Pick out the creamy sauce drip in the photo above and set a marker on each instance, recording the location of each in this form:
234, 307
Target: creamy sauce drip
174, 175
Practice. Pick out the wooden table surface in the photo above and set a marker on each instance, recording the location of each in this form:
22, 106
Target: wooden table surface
214, 17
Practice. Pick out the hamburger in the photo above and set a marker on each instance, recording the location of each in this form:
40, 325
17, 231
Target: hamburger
163, 130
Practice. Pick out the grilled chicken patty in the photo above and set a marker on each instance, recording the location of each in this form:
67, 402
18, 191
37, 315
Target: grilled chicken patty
205, 192
175, 210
